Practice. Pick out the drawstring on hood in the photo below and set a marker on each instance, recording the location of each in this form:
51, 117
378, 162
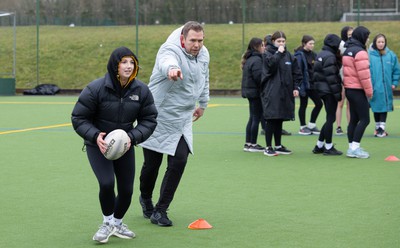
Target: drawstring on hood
113, 63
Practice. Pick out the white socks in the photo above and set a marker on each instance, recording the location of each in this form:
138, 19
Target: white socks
111, 220
380, 125
311, 125
320, 144
354, 145
108, 219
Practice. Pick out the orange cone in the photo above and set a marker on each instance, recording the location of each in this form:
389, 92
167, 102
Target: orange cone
199, 224
392, 158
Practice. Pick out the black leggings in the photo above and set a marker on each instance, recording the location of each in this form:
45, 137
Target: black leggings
359, 114
330, 104
273, 128
123, 171
175, 167
380, 117
256, 112
303, 105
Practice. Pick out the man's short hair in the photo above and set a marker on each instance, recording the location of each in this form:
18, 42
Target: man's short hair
191, 25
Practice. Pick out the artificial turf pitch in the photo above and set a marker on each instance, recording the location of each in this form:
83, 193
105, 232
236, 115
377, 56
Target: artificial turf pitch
49, 195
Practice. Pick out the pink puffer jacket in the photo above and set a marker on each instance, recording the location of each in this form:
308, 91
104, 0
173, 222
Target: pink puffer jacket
356, 73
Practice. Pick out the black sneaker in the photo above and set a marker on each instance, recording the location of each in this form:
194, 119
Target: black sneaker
332, 151
318, 150
283, 150
339, 131
147, 207
270, 152
284, 132
159, 217
256, 148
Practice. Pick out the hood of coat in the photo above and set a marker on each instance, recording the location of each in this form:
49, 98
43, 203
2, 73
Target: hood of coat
113, 63
360, 34
332, 41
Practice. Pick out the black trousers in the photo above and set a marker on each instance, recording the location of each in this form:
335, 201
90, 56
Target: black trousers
273, 129
123, 171
330, 104
256, 112
303, 105
359, 114
175, 168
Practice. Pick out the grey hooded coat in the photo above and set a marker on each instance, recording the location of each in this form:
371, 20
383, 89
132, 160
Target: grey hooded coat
176, 100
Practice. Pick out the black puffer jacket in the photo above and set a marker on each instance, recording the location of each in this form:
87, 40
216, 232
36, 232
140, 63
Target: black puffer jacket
251, 76
281, 75
104, 105
327, 79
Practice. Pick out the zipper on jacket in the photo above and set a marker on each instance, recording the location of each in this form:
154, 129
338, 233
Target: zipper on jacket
383, 82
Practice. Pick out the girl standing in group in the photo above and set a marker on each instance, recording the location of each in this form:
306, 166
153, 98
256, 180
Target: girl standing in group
385, 75
328, 84
306, 58
358, 89
280, 79
345, 34
251, 82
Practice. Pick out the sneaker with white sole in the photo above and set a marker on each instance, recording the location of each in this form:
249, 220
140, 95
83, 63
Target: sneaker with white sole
122, 231
104, 232
314, 130
357, 153
305, 131
246, 147
283, 150
270, 152
256, 148
339, 131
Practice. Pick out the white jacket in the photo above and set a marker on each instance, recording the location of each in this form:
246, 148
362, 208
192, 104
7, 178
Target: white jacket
176, 100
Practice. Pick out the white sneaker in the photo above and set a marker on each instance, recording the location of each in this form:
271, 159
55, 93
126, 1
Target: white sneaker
104, 232
123, 232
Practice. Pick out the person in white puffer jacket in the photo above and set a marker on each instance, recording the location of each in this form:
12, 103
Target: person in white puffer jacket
180, 86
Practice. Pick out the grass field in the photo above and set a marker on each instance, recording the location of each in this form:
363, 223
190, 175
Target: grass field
49, 193
72, 57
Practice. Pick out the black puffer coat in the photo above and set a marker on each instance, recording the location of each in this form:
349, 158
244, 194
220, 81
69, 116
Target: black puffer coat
251, 76
327, 79
281, 75
104, 105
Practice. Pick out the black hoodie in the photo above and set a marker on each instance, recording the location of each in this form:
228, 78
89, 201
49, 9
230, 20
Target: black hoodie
326, 69
103, 106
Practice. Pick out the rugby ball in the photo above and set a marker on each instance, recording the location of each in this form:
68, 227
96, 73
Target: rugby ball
117, 144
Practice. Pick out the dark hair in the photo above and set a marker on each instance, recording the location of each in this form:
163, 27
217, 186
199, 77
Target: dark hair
254, 44
344, 31
376, 39
191, 25
306, 38
277, 35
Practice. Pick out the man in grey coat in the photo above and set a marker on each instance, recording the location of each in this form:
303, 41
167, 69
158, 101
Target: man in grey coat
180, 86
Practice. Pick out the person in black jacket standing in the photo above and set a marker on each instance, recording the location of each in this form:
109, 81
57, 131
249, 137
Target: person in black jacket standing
116, 101
328, 84
251, 83
281, 77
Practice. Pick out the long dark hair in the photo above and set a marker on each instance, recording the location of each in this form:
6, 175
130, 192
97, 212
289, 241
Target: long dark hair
254, 45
